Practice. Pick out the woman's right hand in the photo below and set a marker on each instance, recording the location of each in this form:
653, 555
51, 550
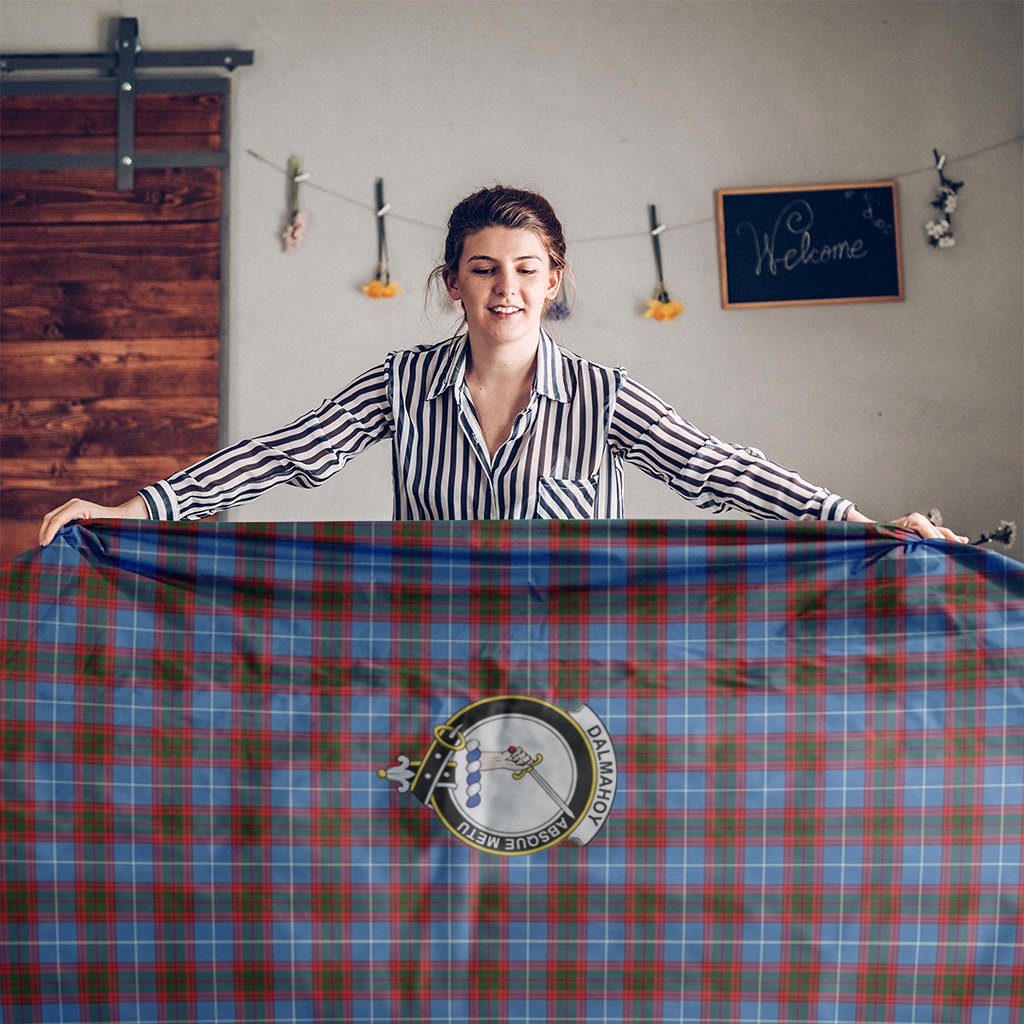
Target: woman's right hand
77, 508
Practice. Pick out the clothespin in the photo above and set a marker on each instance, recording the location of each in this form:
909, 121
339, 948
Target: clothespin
940, 163
295, 178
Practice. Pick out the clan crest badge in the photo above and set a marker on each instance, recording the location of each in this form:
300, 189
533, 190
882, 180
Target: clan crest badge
515, 775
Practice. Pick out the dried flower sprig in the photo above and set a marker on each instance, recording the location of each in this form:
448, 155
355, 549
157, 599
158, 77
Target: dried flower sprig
381, 287
665, 311
1005, 533
661, 307
558, 308
940, 231
292, 236
299, 219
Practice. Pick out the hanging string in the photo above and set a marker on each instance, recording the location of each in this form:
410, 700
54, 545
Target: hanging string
623, 235
311, 184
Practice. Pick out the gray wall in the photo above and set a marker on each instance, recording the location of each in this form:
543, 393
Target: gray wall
606, 107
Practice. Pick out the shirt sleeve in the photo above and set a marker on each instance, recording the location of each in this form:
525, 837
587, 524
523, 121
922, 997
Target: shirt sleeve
304, 454
711, 473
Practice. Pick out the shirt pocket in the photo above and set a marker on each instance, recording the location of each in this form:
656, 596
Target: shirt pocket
566, 498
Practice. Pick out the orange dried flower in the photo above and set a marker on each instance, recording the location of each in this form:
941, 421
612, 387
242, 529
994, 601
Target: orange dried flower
665, 311
380, 290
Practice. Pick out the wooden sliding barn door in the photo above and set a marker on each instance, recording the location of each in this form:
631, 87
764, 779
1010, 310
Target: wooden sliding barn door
111, 301
110, 309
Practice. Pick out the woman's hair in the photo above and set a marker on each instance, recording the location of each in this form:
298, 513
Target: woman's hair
501, 207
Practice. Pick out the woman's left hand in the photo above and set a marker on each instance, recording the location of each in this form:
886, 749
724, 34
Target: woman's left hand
917, 523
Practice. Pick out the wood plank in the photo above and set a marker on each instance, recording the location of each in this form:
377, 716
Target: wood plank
18, 536
94, 310
110, 369
73, 428
110, 252
29, 488
81, 197
84, 116
179, 143
111, 298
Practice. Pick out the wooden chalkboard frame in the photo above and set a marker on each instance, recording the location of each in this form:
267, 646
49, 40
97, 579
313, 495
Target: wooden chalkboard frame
738, 294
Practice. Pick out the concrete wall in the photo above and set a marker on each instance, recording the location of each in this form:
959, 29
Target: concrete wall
606, 107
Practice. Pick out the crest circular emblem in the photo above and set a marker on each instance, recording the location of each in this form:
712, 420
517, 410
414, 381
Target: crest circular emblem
514, 775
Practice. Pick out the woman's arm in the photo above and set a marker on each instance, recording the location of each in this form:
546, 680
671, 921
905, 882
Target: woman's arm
305, 453
77, 508
715, 474
711, 473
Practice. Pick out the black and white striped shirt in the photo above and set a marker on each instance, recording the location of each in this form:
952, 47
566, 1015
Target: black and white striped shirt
562, 460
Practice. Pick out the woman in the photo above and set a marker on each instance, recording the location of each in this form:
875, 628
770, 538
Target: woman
498, 422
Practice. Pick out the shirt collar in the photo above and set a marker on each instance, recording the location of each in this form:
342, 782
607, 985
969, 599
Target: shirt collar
451, 369
550, 379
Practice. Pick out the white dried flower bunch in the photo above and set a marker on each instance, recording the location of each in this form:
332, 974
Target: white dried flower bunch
940, 231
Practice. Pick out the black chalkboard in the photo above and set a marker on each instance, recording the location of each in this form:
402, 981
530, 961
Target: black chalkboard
810, 244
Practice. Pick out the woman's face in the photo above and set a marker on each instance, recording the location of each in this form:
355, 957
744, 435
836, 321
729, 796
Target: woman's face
505, 278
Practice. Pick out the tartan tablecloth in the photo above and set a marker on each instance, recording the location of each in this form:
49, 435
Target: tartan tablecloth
511, 772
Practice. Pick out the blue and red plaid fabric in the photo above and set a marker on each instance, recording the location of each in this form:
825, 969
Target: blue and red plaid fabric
815, 809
